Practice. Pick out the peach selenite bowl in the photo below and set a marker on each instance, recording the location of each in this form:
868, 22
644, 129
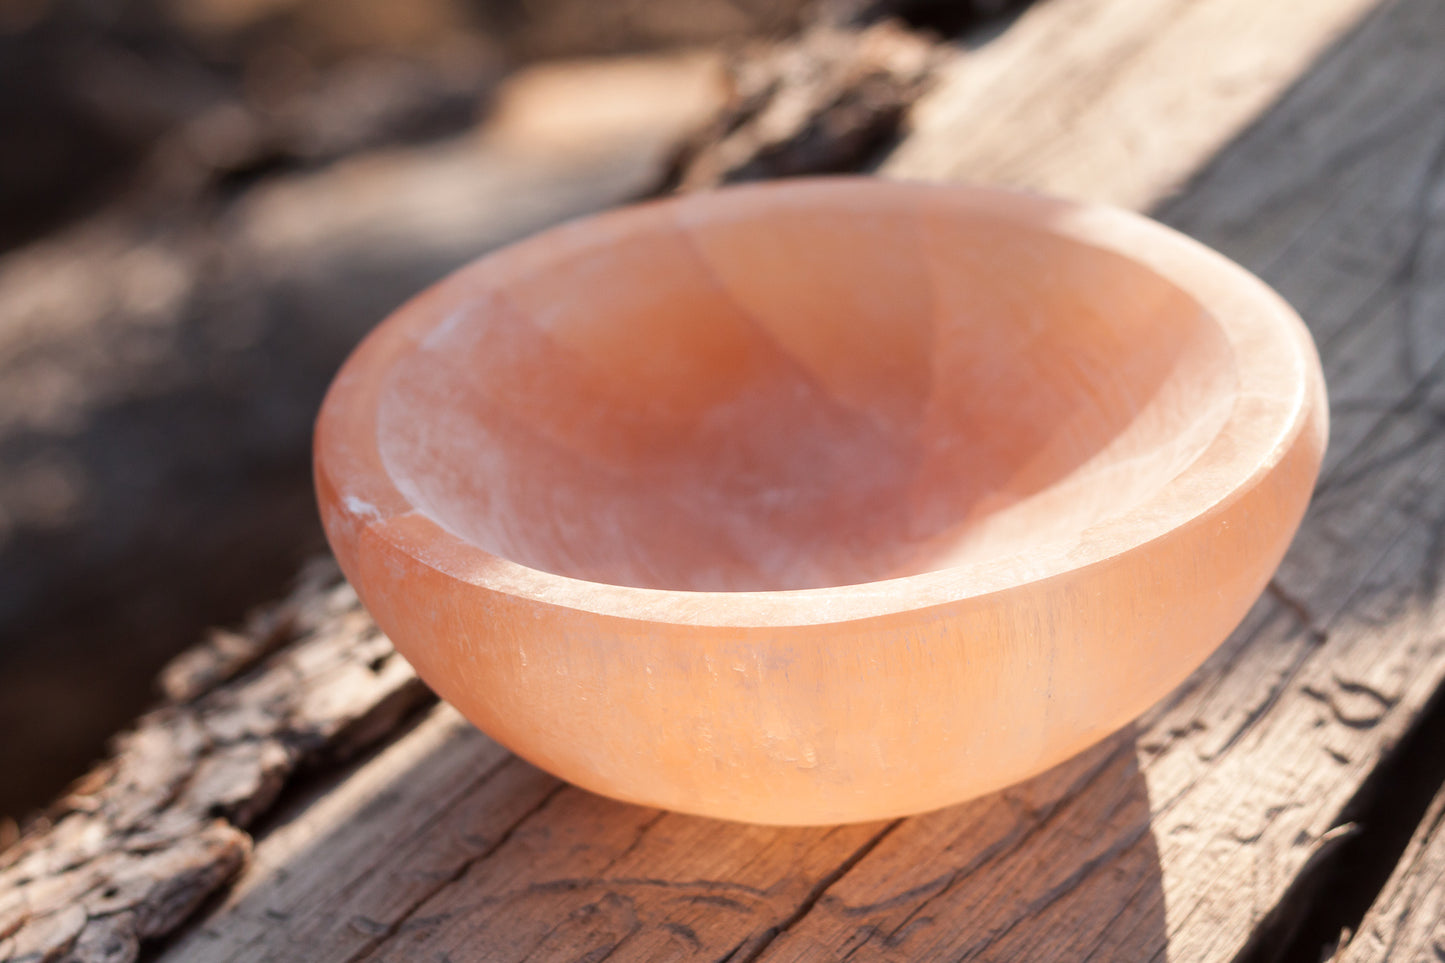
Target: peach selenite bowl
825, 500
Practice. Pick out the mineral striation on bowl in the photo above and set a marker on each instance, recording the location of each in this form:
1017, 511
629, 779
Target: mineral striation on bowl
823, 500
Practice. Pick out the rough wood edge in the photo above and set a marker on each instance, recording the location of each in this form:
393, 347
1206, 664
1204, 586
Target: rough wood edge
133, 847
823, 102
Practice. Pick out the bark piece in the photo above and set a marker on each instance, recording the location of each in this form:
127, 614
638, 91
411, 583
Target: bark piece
142, 840
824, 102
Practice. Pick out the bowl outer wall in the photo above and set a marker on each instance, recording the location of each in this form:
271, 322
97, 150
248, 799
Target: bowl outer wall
861, 702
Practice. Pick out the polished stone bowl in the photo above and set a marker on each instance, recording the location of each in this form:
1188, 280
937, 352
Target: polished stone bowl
823, 500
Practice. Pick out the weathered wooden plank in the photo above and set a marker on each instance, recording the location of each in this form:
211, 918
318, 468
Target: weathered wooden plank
507, 862
1176, 837
1114, 102
1242, 778
1182, 834
1407, 920
1247, 767
432, 804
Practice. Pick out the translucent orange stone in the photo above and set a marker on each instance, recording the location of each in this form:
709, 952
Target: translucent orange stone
821, 501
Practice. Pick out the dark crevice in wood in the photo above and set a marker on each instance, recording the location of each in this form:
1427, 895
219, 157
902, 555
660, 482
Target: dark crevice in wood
313, 782
1072, 882
946, 18
1336, 888
1413, 403
771, 935
1300, 610
828, 101
1033, 823
390, 930
631, 847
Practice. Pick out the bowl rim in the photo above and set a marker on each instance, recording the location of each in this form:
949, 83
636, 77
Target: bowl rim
1279, 390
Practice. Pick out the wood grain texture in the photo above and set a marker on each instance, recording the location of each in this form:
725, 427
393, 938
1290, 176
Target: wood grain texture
1407, 921
447, 845
1249, 764
1113, 102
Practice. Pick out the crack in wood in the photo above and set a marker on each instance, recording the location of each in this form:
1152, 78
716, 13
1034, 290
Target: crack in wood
1317, 633
816, 893
389, 930
821, 102
1336, 887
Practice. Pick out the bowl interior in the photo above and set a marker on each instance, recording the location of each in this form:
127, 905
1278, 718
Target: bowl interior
755, 396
